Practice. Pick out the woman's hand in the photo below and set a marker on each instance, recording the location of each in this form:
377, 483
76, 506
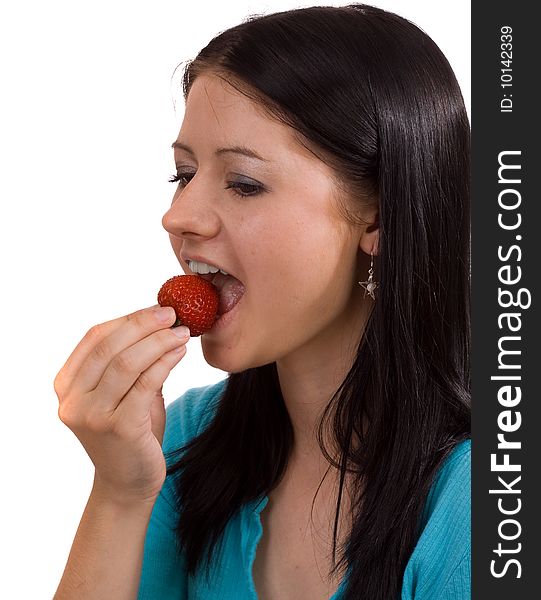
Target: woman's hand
110, 396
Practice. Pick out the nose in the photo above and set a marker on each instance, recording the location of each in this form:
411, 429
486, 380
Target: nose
191, 215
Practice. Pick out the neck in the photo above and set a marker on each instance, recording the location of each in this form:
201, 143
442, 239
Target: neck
311, 375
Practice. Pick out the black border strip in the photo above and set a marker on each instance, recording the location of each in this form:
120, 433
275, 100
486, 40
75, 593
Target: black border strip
506, 261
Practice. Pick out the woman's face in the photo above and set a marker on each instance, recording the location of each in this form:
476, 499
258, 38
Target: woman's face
286, 242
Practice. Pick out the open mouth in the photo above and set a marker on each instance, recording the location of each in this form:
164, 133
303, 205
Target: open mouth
230, 290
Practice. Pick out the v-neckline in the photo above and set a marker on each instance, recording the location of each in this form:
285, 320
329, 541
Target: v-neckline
256, 508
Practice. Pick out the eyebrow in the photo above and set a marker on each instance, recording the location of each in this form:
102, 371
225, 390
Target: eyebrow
233, 149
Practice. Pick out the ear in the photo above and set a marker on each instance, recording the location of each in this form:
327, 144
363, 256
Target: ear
369, 240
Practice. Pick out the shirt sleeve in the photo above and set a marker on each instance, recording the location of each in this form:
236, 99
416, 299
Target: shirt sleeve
440, 564
163, 573
458, 586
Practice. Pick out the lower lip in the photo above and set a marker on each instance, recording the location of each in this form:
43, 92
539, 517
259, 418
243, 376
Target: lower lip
226, 318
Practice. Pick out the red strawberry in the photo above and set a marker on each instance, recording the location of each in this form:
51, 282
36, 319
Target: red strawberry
194, 299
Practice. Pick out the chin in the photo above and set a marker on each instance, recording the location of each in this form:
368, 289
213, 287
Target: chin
220, 357
225, 358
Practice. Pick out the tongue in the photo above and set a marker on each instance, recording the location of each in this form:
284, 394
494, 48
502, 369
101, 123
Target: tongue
229, 289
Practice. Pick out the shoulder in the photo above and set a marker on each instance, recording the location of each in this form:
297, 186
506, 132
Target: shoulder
451, 489
443, 552
189, 414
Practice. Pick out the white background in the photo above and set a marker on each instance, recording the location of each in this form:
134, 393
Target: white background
86, 123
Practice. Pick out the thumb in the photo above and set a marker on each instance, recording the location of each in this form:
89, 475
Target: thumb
158, 415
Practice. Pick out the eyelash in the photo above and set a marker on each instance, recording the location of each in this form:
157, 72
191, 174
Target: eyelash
233, 185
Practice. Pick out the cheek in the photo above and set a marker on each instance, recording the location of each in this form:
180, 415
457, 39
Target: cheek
294, 291
298, 262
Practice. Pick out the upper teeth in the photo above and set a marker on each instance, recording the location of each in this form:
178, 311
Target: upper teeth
202, 268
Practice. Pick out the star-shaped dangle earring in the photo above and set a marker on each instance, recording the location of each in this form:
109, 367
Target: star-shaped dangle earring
369, 285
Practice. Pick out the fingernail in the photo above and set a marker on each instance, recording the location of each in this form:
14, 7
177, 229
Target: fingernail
164, 313
181, 332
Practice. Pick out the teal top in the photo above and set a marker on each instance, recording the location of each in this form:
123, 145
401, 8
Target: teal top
439, 566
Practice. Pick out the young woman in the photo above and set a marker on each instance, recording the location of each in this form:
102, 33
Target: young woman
323, 161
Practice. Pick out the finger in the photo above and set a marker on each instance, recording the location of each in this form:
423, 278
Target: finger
90, 340
139, 400
126, 367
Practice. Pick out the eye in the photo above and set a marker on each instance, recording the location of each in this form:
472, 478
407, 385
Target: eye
244, 189
240, 188
178, 178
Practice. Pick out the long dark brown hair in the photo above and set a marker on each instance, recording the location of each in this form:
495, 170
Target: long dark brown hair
373, 96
